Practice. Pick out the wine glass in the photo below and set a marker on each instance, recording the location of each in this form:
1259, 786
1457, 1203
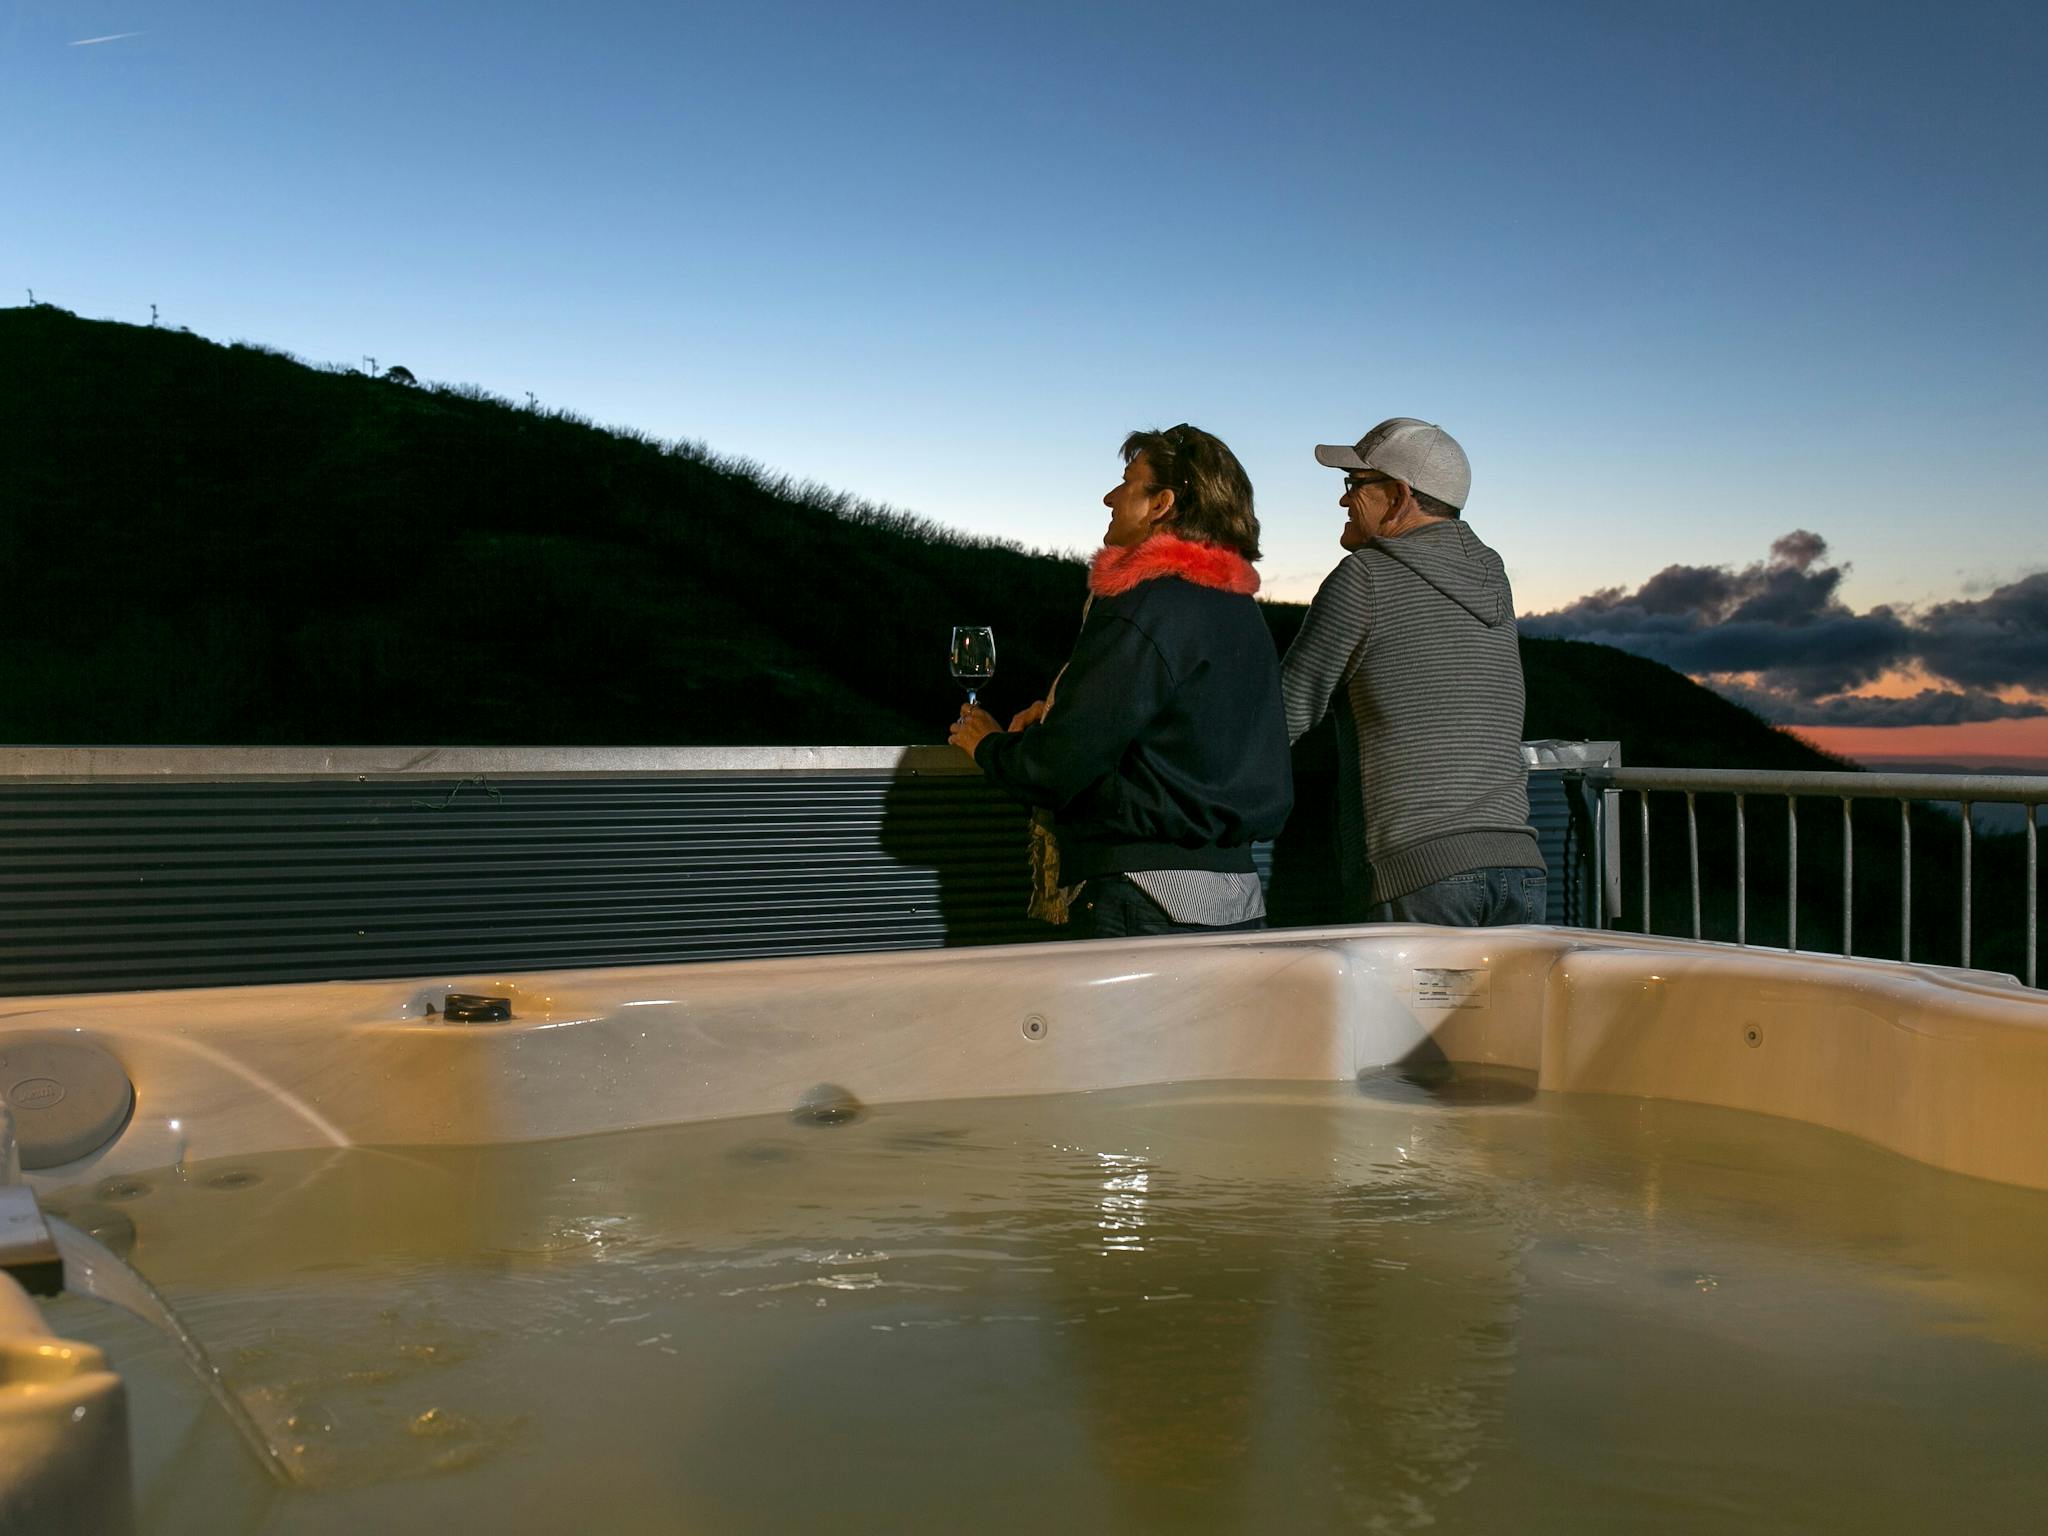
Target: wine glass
973, 657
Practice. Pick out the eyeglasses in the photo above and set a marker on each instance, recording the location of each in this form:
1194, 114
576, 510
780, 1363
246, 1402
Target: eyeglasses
1176, 438
1357, 482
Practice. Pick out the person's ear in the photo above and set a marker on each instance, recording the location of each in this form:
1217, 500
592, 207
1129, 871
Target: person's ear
1161, 510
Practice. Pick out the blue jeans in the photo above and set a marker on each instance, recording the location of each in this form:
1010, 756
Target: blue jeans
1478, 898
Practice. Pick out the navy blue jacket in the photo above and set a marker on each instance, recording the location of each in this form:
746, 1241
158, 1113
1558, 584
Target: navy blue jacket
1166, 745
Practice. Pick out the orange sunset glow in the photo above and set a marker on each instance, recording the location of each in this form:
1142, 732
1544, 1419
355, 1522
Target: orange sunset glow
2011, 743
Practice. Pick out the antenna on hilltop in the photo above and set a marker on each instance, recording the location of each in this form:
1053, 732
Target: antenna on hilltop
152, 317
31, 298
532, 404
371, 364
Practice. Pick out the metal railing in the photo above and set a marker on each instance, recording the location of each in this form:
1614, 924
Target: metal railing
1905, 789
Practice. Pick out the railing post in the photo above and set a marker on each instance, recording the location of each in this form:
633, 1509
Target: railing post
2033, 837
1848, 873
1905, 880
1644, 796
1610, 856
1741, 874
1692, 854
1792, 874
1966, 885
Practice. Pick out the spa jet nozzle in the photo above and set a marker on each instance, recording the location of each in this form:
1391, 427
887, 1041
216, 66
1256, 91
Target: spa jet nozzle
27, 1251
468, 1008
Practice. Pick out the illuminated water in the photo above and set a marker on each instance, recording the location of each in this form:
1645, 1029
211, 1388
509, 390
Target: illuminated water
91, 1269
1283, 1307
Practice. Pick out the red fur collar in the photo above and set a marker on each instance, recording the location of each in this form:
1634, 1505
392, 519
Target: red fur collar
1207, 565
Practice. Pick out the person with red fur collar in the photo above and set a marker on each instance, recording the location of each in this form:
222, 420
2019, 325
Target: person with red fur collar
1161, 753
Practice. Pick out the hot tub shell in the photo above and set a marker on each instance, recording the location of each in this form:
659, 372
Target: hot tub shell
1942, 1066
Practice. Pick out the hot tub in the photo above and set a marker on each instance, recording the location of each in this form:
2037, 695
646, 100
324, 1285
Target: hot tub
1347, 1228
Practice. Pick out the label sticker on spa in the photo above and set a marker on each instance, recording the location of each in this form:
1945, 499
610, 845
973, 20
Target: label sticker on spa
1450, 989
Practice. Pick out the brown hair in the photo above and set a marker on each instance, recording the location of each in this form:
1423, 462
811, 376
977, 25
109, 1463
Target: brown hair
1212, 495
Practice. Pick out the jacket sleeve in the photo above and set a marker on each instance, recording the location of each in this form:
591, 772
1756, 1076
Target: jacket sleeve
1328, 647
1116, 683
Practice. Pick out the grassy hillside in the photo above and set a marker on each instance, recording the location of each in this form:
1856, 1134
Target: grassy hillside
220, 544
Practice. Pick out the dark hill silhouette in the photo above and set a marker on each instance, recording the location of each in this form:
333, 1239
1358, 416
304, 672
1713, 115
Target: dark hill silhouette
223, 544
220, 543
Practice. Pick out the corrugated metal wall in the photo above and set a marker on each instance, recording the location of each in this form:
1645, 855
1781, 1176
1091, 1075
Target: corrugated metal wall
119, 886
114, 885
1564, 826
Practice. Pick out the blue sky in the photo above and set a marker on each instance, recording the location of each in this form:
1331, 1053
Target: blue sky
1682, 278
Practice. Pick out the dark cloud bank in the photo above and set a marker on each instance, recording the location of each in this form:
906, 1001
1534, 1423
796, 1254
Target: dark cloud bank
1782, 621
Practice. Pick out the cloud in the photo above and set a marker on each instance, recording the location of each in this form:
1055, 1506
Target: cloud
1779, 618
1799, 548
1777, 636
1991, 641
1930, 706
111, 37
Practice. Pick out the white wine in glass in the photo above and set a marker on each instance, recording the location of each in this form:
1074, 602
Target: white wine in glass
974, 657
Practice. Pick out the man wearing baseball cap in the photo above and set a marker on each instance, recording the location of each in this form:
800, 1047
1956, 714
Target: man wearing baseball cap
1411, 641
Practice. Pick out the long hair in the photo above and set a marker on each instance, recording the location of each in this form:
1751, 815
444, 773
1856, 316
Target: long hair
1212, 495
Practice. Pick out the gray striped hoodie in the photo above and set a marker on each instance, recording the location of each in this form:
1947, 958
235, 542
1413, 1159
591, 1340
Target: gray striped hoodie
1412, 641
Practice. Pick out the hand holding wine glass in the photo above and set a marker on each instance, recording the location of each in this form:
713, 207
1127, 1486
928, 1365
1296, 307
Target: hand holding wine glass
973, 663
973, 657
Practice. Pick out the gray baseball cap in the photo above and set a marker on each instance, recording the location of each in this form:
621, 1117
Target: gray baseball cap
1427, 457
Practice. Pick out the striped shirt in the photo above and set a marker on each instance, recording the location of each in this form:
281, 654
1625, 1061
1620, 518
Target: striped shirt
1210, 897
1412, 642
